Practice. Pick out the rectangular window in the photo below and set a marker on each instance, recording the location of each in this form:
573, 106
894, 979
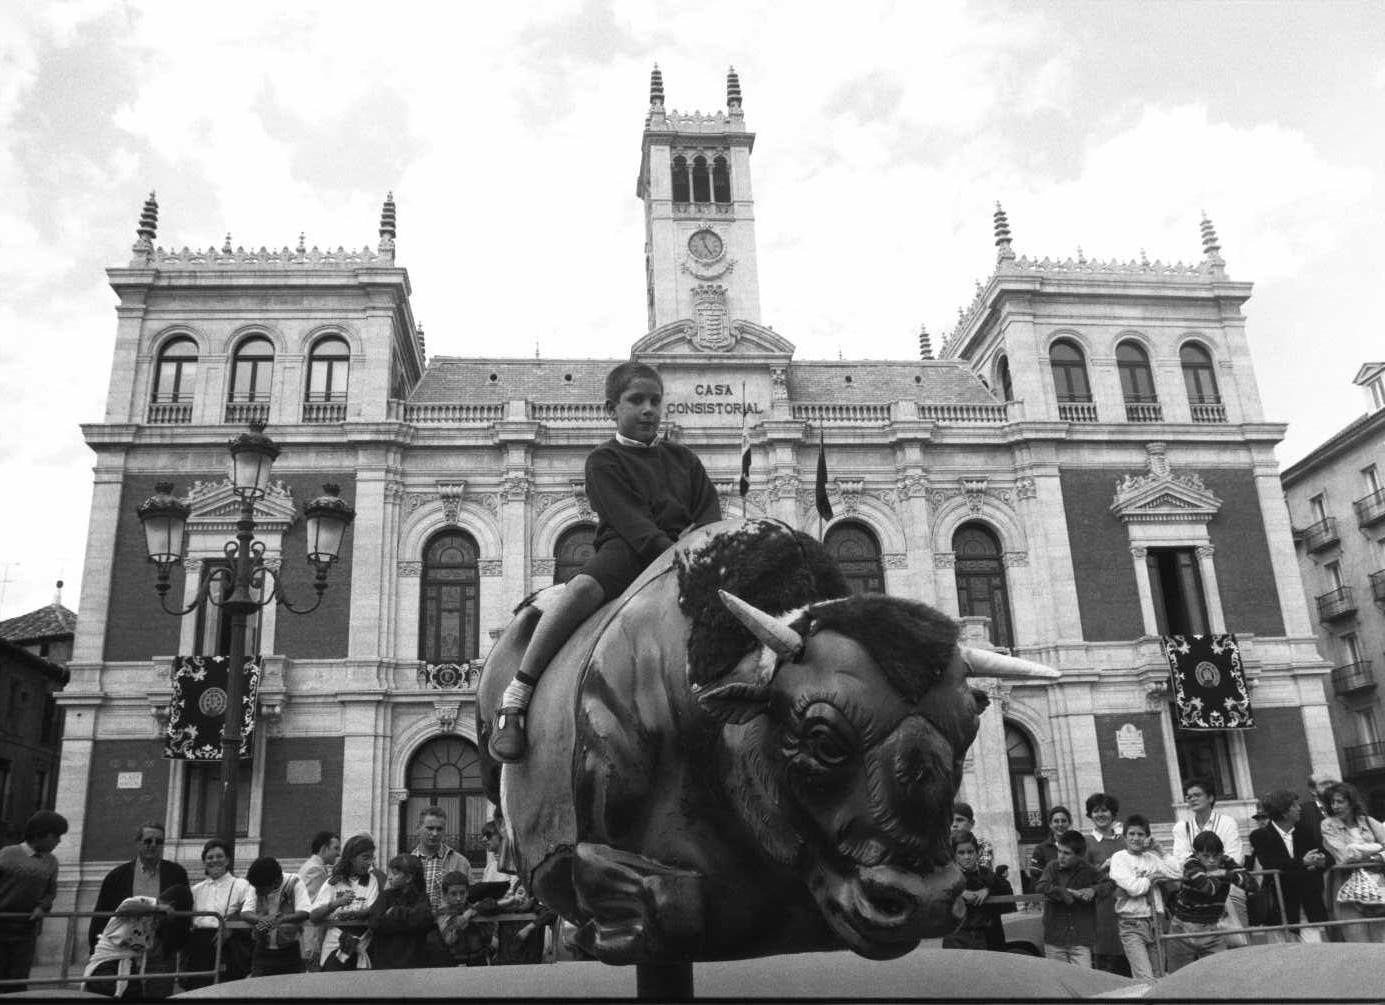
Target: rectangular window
202, 798
1176, 587
213, 632
1318, 508
1334, 575
1366, 730
1204, 755
41, 790
1371, 479
5, 785
1351, 648
1377, 387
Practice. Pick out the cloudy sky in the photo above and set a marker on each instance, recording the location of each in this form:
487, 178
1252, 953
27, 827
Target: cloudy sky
510, 137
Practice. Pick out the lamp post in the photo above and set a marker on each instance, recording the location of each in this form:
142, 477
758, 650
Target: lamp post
242, 583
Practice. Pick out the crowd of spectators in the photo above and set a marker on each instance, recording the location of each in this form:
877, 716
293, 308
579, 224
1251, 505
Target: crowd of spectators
337, 912
1111, 896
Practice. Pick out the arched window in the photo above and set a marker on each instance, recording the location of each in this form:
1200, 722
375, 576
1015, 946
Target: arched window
329, 363
721, 181
680, 179
1028, 791
857, 554
448, 623
1137, 384
446, 772
574, 547
174, 380
1199, 375
1069, 372
701, 182
1002, 372
251, 373
981, 589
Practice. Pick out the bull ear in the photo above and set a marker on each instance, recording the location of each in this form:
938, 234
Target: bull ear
736, 703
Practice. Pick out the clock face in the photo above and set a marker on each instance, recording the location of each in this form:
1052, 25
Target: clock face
705, 246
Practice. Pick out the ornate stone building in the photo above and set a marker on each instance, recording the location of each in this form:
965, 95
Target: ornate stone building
1083, 467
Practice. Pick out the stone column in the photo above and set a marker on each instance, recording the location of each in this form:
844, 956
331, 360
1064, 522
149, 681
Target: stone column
1073, 720
514, 531
89, 643
406, 607
1293, 602
1139, 554
367, 567
986, 777
1216, 621
912, 492
362, 784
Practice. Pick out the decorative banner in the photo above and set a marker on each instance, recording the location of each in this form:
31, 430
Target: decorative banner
198, 710
1208, 682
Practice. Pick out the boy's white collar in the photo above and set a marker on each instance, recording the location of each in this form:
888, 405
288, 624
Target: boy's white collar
626, 441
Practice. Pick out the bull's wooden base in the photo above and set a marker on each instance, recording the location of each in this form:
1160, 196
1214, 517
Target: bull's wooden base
663, 982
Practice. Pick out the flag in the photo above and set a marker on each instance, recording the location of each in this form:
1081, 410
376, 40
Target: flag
824, 504
197, 711
1209, 684
745, 448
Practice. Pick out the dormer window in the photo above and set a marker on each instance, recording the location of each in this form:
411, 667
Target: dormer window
1377, 389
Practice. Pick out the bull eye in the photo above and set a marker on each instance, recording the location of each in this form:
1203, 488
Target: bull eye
827, 735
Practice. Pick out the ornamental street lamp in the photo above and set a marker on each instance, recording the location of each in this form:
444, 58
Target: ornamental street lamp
241, 586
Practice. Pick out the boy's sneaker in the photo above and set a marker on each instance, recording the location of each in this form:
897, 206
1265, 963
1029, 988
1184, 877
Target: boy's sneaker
507, 742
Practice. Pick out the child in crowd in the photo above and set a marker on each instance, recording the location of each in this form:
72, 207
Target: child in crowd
1069, 884
343, 905
467, 939
1208, 876
401, 917
1136, 872
277, 907
647, 493
978, 923
140, 930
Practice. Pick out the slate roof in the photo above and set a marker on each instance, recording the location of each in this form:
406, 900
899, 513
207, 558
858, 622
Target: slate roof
451, 379
45, 623
11, 653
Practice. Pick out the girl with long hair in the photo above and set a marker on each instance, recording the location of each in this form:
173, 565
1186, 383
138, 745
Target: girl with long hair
1353, 838
402, 917
344, 903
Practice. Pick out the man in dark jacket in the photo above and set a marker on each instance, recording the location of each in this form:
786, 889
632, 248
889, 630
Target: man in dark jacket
145, 875
1286, 844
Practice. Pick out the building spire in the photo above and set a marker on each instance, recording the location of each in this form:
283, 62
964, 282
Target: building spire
58, 595
145, 233
1211, 247
733, 91
656, 88
387, 226
1004, 253
925, 343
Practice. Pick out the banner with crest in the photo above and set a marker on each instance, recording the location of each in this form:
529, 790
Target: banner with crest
197, 712
1209, 684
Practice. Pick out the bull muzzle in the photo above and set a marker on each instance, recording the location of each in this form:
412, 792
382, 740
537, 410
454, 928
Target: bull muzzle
882, 912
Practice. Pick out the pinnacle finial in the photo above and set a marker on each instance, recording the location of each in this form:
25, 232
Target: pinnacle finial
925, 343
302, 248
1211, 247
148, 220
387, 220
226, 248
733, 91
1002, 235
656, 88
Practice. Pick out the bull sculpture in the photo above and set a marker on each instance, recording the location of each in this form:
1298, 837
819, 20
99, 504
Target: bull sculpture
708, 781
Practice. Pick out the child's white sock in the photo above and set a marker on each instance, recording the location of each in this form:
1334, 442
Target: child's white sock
517, 695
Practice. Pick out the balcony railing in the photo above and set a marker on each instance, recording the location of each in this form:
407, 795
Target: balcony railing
567, 411
1320, 535
455, 414
1144, 411
1370, 510
238, 413
1365, 757
169, 413
1077, 411
1378, 586
1353, 677
1336, 604
1208, 411
324, 411
962, 413
865, 413
450, 676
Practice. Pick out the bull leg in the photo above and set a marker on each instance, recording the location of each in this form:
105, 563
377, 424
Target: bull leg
640, 910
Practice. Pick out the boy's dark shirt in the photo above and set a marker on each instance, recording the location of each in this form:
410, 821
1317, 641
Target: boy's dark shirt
647, 496
473, 945
1201, 899
985, 917
1068, 924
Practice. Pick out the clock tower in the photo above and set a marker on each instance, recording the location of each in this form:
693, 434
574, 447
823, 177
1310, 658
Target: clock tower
699, 217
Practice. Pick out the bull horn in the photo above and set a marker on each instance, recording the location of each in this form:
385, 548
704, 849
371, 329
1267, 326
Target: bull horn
986, 663
772, 632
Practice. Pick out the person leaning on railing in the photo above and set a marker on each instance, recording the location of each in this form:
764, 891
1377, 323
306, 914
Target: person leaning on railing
1353, 837
140, 937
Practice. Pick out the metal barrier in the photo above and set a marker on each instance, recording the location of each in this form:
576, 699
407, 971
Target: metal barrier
65, 975
1284, 926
